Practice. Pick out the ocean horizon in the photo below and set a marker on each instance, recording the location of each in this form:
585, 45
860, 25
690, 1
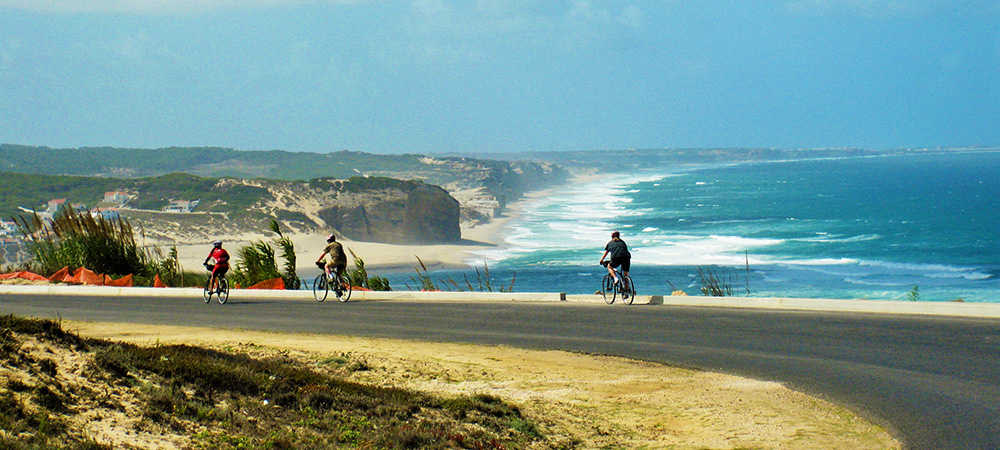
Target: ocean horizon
897, 227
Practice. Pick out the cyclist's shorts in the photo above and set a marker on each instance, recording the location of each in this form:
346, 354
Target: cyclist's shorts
220, 270
626, 263
338, 268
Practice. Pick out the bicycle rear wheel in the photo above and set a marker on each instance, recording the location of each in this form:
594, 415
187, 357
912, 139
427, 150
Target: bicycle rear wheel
345, 290
208, 290
223, 294
631, 291
320, 288
608, 290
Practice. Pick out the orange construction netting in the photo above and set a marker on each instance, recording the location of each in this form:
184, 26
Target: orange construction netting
24, 275
273, 283
82, 275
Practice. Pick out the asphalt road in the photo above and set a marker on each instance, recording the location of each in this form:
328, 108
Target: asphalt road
933, 382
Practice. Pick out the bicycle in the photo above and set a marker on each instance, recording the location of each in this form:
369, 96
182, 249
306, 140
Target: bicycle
611, 290
222, 293
321, 286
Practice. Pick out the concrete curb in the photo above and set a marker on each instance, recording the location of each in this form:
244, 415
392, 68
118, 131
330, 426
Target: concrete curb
976, 310
271, 294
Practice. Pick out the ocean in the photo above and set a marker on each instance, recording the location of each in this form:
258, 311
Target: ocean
906, 227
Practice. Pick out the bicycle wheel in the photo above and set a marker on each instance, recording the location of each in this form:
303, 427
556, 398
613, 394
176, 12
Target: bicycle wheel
608, 289
208, 290
223, 294
345, 290
631, 291
320, 288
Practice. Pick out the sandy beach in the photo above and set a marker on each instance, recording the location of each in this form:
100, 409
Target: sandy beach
376, 255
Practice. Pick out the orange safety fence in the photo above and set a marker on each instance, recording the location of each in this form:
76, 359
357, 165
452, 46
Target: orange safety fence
60, 275
273, 283
80, 276
24, 275
125, 281
157, 282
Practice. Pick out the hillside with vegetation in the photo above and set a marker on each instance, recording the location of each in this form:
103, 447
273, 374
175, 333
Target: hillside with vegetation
375, 209
474, 181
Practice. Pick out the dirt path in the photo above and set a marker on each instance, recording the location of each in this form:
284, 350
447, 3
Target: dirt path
590, 401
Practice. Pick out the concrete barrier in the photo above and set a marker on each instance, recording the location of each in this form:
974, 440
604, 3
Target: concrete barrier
236, 294
960, 309
978, 310
592, 298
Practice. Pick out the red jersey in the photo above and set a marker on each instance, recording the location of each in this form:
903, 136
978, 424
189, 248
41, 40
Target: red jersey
221, 256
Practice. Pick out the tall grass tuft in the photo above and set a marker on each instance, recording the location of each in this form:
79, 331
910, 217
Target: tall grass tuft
714, 283
81, 240
292, 280
256, 262
482, 281
423, 278
358, 276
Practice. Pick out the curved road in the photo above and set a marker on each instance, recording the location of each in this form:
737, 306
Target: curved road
932, 381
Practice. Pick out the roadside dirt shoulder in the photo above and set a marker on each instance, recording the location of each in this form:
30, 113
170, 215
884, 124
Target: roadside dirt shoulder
585, 400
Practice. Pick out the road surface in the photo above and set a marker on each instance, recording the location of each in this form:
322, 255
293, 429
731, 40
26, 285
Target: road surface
934, 382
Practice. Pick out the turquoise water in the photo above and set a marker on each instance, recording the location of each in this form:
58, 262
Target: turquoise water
873, 227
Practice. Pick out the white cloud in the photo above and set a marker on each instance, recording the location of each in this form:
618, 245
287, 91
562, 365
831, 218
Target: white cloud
152, 6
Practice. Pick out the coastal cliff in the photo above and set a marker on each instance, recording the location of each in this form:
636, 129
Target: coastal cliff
182, 207
483, 187
396, 212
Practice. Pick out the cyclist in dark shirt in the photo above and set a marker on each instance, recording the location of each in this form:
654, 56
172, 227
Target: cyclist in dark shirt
619, 256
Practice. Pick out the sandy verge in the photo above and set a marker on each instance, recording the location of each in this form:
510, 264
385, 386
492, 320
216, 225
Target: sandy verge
592, 401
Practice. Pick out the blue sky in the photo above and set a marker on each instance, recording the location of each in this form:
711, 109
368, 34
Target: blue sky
496, 76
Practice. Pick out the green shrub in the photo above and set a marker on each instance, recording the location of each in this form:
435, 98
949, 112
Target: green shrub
81, 240
358, 276
257, 262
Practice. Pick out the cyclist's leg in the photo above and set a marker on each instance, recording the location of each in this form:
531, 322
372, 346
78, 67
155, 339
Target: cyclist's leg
212, 281
327, 269
339, 269
626, 265
611, 269
219, 273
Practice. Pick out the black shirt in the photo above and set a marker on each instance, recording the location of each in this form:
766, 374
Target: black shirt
618, 249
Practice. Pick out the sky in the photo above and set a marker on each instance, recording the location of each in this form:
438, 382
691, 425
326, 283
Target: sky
433, 76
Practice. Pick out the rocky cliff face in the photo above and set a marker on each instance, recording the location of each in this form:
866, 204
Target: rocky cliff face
373, 209
394, 212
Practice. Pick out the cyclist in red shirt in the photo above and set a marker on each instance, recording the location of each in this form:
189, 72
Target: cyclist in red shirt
221, 257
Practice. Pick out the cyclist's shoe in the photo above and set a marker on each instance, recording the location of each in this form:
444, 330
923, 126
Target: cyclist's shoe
339, 293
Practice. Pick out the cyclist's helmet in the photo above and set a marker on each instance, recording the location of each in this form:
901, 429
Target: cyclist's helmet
331, 238
217, 244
